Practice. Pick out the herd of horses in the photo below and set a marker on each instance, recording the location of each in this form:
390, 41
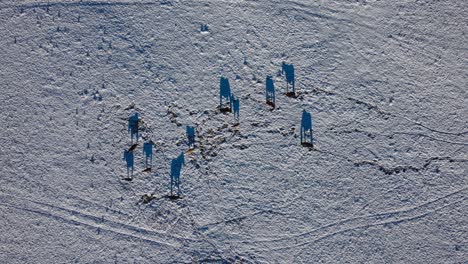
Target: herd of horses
228, 102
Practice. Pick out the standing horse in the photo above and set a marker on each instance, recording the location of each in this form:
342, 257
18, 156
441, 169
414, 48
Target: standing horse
191, 136
176, 167
224, 92
148, 151
288, 70
270, 91
128, 157
133, 126
236, 106
306, 129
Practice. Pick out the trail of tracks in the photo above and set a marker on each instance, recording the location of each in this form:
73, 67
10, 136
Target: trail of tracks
93, 221
371, 106
362, 222
82, 4
79, 218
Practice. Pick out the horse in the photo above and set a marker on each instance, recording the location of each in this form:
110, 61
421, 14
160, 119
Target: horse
148, 151
133, 126
176, 167
224, 92
270, 91
129, 158
288, 70
306, 128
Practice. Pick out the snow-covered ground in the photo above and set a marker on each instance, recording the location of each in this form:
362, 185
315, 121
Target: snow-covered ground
385, 81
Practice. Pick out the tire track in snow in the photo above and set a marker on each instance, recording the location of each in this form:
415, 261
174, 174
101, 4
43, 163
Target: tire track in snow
82, 4
361, 222
404, 133
74, 217
44, 188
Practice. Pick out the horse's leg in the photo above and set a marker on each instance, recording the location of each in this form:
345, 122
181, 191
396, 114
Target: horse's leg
311, 137
172, 183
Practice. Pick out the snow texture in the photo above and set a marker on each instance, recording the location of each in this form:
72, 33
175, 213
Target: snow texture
384, 81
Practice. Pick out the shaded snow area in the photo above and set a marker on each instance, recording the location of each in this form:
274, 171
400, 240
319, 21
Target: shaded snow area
385, 83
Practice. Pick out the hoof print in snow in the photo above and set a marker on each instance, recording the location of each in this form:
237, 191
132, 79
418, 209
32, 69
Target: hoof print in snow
241, 147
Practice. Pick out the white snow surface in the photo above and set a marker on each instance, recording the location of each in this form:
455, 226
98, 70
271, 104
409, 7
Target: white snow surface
385, 81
